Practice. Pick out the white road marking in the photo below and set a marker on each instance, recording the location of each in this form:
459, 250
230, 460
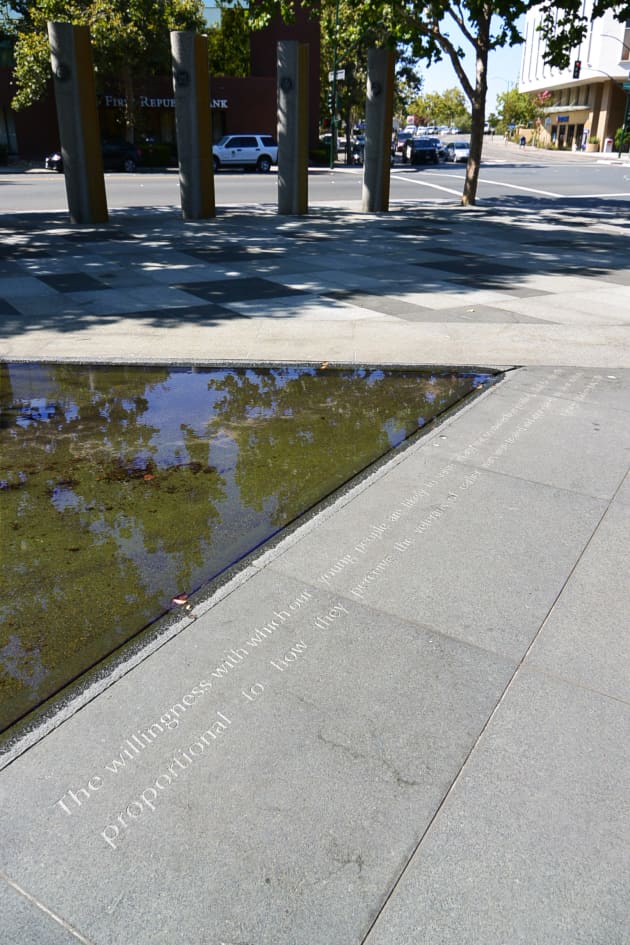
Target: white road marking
424, 183
529, 190
597, 196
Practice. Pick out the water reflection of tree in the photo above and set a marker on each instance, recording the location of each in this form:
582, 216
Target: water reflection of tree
300, 436
95, 527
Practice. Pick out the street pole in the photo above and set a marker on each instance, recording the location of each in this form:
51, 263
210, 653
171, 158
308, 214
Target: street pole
624, 127
333, 104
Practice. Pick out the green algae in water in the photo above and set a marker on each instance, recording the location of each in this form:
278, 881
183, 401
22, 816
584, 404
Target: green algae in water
121, 487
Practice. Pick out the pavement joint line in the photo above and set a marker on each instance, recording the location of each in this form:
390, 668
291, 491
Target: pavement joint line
518, 669
52, 915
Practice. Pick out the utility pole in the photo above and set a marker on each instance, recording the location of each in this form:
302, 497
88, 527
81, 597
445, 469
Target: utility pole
626, 117
333, 103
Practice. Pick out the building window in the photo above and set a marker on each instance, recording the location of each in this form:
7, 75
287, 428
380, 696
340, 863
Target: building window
625, 52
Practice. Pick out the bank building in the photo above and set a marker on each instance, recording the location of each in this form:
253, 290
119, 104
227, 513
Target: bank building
238, 103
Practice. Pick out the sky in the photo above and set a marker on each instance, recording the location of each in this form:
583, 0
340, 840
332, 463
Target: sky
503, 70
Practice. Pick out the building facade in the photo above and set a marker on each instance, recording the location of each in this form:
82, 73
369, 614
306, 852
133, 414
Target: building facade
587, 102
238, 104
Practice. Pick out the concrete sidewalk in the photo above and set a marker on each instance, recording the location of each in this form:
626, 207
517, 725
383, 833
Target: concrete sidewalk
515, 283
406, 723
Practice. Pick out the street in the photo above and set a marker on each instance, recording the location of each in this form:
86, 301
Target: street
507, 172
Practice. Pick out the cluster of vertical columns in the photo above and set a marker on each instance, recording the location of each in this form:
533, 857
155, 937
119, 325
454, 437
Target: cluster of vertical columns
75, 95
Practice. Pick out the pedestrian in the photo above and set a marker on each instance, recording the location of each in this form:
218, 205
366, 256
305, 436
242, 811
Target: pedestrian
522, 141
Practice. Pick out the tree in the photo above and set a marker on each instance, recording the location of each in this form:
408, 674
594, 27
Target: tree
518, 108
443, 108
130, 39
434, 29
407, 86
228, 43
343, 48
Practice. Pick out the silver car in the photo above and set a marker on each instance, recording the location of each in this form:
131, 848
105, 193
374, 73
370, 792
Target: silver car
457, 151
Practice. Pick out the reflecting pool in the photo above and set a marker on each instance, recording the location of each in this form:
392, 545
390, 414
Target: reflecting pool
123, 487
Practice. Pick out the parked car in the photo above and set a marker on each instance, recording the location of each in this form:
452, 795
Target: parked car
399, 141
439, 144
118, 155
245, 150
457, 151
420, 150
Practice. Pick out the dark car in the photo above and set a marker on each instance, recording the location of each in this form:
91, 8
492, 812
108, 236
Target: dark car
441, 147
398, 142
420, 151
118, 155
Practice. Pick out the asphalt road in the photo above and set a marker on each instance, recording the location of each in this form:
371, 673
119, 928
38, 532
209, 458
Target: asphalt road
508, 173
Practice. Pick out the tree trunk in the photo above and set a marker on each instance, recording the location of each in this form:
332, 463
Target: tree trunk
473, 166
478, 103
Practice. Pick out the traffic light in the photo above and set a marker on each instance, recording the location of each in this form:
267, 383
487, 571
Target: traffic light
577, 65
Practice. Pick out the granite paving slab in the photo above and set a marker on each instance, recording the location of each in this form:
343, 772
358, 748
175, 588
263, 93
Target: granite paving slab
237, 290
263, 777
324, 280
7, 309
494, 314
611, 390
479, 266
379, 302
122, 300
28, 922
454, 294
531, 845
509, 544
585, 638
594, 457
71, 282
504, 286
18, 287
616, 276
574, 312
201, 315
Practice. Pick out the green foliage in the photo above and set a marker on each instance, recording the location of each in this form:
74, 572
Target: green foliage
431, 30
622, 139
517, 108
443, 108
228, 43
130, 38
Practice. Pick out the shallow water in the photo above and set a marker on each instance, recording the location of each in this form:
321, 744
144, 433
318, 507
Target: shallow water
122, 487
